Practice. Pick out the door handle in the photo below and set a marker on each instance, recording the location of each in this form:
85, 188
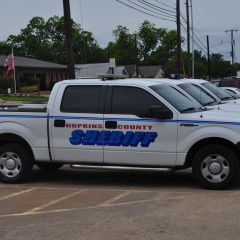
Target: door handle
59, 123
111, 124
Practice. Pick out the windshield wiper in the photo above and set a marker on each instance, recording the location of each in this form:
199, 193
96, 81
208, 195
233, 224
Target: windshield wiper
188, 109
226, 98
210, 103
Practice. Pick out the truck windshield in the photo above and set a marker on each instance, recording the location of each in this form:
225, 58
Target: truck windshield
198, 94
220, 93
177, 99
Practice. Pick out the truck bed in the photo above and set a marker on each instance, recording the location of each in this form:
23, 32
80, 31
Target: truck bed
24, 107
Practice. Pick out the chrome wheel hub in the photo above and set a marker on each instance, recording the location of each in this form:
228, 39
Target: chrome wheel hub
215, 168
10, 164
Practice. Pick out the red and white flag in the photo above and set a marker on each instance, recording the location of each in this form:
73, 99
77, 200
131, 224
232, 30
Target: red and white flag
10, 68
8, 59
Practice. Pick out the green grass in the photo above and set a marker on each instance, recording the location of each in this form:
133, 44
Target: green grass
18, 98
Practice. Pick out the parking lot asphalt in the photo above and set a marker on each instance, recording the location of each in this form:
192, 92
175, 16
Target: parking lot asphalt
87, 204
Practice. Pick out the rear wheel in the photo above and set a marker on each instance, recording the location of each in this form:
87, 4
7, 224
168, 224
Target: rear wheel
15, 163
215, 166
46, 166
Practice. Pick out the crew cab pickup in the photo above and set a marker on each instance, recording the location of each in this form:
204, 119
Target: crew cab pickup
125, 124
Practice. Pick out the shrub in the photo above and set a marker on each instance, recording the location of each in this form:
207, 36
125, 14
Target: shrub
29, 81
5, 83
51, 84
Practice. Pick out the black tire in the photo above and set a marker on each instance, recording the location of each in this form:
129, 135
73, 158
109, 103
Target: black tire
47, 166
215, 166
16, 163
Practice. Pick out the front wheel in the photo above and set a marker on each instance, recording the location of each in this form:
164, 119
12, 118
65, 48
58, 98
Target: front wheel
215, 166
15, 163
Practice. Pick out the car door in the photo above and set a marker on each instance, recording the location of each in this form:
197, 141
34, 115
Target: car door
131, 137
76, 124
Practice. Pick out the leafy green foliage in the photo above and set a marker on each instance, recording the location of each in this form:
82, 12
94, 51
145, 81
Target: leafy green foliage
222, 69
123, 50
5, 83
29, 81
149, 45
45, 41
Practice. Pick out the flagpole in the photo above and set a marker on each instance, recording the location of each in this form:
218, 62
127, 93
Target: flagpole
15, 85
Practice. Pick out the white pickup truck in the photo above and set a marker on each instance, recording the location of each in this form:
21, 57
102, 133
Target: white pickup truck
123, 124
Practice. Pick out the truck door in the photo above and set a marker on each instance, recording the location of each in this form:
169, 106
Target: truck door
76, 123
133, 139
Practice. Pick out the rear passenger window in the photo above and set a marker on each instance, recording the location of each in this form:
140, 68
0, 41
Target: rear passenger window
81, 99
132, 100
227, 84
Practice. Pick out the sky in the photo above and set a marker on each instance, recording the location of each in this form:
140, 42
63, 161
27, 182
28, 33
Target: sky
101, 17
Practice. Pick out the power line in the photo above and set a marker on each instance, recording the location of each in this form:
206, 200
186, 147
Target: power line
169, 2
149, 14
160, 12
193, 33
200, 41
183, 18
197, 43
153, 5
217, 45
166, 5
165, 15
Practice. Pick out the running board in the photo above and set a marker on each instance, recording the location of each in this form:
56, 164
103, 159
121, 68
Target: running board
124, 168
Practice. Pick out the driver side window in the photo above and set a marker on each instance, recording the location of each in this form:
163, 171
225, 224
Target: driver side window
133, 101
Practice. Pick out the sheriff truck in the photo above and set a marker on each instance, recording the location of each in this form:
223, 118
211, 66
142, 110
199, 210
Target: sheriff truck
125, 124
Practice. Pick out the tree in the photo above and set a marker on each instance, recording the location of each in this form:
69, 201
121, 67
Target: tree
166, 52
45, 41
32, 41
149, 37
123, 50
5, 47
200, 65
157, 46
220, 68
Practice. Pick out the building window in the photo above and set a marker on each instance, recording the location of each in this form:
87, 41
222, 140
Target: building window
28, 75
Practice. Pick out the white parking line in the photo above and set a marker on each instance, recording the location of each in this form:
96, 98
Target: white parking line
17, 193
98, 206
110, 201
34, 210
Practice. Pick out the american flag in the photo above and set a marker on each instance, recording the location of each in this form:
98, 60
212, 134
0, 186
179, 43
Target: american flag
9, 57
10, 68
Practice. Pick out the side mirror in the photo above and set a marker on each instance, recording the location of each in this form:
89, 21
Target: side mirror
159, 112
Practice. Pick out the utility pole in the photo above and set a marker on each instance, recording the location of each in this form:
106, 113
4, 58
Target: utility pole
69, 41
188, 41
193, 57
136, 55
179, 69
209, 64
233, 45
